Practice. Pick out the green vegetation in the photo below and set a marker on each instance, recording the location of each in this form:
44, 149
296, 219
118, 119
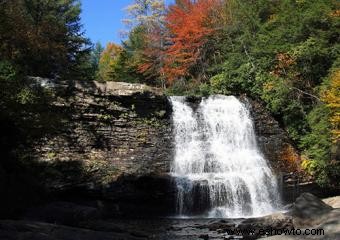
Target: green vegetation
40, 39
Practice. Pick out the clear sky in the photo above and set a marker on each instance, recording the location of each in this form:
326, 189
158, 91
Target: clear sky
102, 19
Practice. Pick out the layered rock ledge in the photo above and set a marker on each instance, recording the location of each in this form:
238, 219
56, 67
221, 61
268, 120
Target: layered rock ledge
114, 139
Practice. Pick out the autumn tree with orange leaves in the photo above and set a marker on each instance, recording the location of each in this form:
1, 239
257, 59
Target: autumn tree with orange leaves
190, 24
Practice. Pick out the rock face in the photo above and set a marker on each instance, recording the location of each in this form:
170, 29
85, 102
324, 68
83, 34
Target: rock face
113, 145
119, 127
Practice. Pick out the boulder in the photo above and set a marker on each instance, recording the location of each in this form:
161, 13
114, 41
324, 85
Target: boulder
329, 223
308, 206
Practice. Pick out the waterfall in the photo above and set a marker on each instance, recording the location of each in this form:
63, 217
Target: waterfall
217, 165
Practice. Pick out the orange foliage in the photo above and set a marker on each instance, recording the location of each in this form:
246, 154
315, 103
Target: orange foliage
189, 23
335, 13
284, 62
290, 158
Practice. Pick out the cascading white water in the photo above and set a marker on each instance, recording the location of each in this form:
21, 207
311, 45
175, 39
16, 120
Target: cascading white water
217, 165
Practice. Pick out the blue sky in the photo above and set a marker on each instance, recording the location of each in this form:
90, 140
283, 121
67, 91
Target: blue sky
102, 19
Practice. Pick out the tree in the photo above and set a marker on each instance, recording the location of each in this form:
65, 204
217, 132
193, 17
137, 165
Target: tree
108, 59
43, 37
190, 24
331, 96
130, 58
153, 57
95, 55
149, 15
146, 13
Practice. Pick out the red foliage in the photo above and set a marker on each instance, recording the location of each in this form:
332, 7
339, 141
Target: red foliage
189, 23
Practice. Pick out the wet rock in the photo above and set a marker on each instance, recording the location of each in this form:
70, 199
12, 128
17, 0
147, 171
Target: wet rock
147, 196
309, 206
221, 226
63, 213
331, 225
204, 236
326, 225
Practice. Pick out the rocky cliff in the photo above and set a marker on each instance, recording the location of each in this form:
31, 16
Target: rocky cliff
126, 129
114, 142
119, 128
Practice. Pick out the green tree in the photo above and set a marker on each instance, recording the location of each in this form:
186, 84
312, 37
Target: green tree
95, 55
126, 67
43, 37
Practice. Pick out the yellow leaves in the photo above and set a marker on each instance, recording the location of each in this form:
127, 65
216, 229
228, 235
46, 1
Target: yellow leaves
272, 18
331, 97
309, 165
107, 60
112, 50
268, 86
335, 13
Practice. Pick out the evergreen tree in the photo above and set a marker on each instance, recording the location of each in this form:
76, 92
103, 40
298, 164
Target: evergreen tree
43, 37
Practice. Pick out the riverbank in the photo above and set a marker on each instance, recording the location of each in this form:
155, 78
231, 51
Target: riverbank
84, 224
